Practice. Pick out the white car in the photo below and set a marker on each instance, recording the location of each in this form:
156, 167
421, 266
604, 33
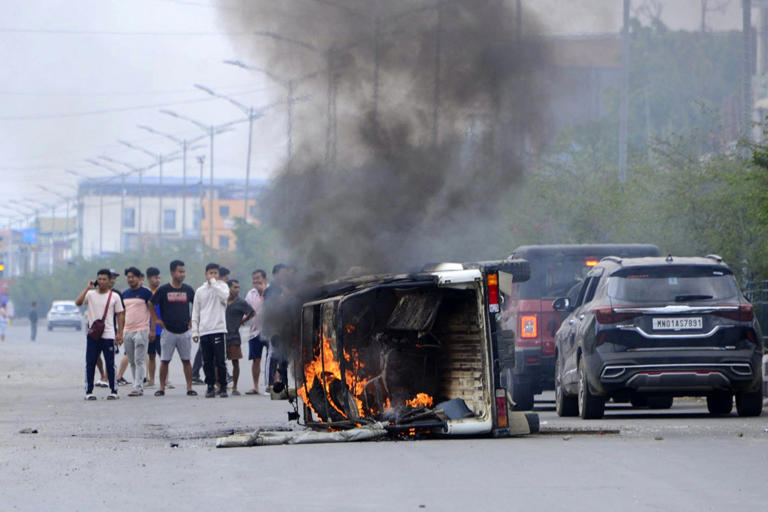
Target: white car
65, 313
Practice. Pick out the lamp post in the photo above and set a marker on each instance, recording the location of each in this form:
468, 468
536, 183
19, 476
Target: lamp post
252, 114
138, 170
160, 160
185, 145
290, 86
211, 131
122, 196
201, 161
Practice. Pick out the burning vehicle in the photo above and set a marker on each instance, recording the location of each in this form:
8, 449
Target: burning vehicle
418, 353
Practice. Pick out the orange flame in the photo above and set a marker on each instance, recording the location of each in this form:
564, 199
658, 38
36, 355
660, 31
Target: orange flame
420, 400
326, 368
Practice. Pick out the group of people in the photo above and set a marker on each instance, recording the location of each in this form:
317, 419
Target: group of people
158, 320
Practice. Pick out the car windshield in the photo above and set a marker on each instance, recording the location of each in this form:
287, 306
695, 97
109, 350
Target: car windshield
673, 284
65, 308
553, 277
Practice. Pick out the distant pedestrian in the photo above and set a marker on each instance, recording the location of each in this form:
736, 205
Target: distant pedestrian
32, 321
238, 313
256, 345
209, 326
174, 300
103, 307
3, 321
139, 326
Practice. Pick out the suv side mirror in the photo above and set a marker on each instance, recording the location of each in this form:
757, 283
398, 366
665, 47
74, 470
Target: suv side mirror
561, 304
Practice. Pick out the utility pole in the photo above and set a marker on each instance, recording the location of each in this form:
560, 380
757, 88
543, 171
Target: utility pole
624, 107
436, 93
185, 145
201, 161
746, 75
252, 114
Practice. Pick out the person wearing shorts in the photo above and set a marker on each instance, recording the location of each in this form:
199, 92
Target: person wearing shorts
237, 314
174, 300
256, 346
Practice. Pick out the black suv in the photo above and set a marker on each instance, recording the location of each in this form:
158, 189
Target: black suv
644, 330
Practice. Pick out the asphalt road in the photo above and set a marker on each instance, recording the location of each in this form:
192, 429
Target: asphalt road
117, 455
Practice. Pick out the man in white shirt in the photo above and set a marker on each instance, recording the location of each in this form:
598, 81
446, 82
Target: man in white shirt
209, 327
102, 304
256, 346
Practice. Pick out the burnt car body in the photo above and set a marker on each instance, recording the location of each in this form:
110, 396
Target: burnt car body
555, 269
648, 329
419, 352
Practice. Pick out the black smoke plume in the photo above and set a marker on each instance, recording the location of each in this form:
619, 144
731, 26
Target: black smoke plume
419, 119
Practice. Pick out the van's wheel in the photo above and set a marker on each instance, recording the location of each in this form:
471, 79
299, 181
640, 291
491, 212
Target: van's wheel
749, 404
591, 407
660, 402
720, 403
565, 405
522, 394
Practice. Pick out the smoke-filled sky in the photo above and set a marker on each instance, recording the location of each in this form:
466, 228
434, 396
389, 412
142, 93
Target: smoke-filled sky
79, 75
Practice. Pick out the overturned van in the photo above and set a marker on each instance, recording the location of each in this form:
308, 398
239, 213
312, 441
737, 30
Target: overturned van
419, 353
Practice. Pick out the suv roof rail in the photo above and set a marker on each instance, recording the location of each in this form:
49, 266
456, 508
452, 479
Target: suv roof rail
715, 257
614, 259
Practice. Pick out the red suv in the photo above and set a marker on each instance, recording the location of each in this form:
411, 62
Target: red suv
556, 271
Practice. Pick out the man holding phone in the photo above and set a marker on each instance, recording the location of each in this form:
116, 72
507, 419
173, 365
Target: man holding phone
104, 305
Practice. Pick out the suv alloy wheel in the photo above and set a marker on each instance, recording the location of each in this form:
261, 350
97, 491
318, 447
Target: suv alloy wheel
591, 407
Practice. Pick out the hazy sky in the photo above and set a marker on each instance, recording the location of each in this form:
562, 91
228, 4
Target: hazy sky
80, 74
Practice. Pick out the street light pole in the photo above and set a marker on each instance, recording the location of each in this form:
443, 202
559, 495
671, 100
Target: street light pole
252, 116
122, 197
201, 161
185, 145
211, 130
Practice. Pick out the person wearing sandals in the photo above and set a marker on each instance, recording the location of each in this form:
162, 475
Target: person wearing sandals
237, 314
139, 326
103, 305
209, 326
174, 300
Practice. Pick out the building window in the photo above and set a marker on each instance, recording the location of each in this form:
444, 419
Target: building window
223, 242
169, 219
224, 211
129, 217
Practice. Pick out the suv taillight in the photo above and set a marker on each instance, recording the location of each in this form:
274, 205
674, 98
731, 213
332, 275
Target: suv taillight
608, 315
529, 326
493, 292
745, 313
